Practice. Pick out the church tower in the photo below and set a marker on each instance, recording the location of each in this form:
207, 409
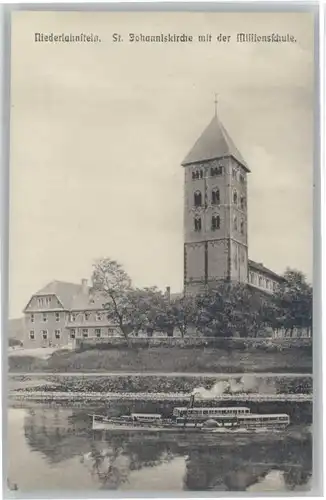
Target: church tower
215, 211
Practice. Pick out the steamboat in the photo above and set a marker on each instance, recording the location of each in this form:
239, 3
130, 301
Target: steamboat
195, 419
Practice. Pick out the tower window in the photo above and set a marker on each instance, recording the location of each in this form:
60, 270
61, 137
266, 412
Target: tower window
242, 202
235, 223
197, 199
235, 198
242, 179
242, 227
197, 174
215, 222
197, 223
215, 197
234, 173
216, 171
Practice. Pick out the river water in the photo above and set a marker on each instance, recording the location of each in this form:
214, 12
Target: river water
54, 448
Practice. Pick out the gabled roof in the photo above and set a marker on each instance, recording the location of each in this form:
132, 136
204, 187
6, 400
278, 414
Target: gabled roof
260, 267
214, 143
72, 296
63, 290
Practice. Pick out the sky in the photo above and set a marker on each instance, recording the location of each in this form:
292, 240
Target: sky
99, 130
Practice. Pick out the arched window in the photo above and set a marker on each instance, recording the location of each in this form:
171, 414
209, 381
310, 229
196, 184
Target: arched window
216, 197
242, 227
216, 171
235, 223
215, 222
197, 199
197, 223
235, 197
242, 202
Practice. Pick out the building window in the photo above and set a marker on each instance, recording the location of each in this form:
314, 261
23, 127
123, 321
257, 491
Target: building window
197, 222
72, 333
47, 301
72, 317
32, 318
242, 179
215, 222
197, 174
242, 227
234, 173
44, 334
40, 302
57, 334
87, 315
98, 332
251, 277
45, 317
260, 281
268, 283
216, 171
57, 316
215, 197
242, 202
98, 317
235, 223
197, 199
235, 197
85, 333
32, 335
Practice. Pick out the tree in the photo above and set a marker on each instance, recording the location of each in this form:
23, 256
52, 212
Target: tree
113, 283
293, 302
228, 309
177, 313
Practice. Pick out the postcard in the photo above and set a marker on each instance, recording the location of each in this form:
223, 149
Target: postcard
161, 252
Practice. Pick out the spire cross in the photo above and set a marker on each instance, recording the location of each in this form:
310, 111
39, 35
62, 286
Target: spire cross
215, 104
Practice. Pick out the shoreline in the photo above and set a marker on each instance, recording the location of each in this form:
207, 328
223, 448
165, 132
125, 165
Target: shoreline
158, 374
116, 396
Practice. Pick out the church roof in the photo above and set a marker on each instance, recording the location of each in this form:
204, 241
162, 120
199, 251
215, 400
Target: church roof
258, 266
214, 142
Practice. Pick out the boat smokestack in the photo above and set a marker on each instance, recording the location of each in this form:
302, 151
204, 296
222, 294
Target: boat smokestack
191, 402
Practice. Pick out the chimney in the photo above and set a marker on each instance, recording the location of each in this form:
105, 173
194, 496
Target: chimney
84, 286
168, 292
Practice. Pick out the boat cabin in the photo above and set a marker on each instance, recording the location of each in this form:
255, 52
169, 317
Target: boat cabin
146, 417
255, 420
205, 412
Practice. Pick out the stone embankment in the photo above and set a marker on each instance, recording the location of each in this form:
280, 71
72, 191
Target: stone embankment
114, 396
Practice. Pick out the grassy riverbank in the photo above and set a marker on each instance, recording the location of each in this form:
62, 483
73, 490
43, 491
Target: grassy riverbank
176, 359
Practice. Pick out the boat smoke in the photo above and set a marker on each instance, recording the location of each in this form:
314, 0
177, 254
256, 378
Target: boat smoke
245, 384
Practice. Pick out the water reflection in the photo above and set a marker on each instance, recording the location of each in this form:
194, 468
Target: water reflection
61, 439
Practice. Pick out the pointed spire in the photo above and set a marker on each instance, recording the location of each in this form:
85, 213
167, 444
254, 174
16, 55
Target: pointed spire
214, 143
215, 104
